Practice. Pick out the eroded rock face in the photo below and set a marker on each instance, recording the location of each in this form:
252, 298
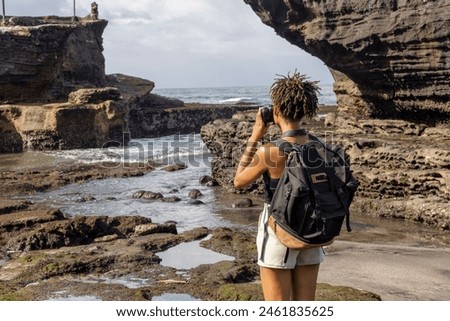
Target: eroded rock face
63, 125
389, 58
50, 56
402, 166
54, 93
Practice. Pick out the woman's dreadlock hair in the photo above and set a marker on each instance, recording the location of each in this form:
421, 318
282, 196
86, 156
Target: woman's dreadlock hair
295, 96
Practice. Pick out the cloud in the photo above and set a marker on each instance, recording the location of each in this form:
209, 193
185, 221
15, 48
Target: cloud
34, 8
187, 43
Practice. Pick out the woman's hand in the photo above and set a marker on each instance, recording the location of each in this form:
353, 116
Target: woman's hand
252, 163
259, 129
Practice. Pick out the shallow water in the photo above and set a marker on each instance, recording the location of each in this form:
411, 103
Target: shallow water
113, 197
128, 281
189, 255
63, 296
174, 297
27, 160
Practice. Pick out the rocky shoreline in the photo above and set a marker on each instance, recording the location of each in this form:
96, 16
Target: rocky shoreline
387, 70
47, 254
45, 251
402, 166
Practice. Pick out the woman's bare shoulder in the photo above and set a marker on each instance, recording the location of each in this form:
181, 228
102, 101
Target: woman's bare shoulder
274, 157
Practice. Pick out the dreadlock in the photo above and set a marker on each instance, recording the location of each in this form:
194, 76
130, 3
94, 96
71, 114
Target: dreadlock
295, 96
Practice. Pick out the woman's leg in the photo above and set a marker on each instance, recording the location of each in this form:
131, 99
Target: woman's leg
304, 280
276, 284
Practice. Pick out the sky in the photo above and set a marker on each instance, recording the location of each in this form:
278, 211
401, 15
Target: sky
187, 43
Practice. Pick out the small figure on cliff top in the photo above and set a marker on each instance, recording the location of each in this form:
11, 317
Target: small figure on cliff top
94, 11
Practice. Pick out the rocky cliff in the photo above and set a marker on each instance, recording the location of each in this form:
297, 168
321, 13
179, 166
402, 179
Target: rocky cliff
43, 59
54, 93
389, 58
91, 118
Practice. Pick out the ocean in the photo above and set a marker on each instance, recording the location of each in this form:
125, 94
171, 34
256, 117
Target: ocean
231, 95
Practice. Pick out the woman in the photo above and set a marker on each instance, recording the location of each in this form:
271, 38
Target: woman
286, 274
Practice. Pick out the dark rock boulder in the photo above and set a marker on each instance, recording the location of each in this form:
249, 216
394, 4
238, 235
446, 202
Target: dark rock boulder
243, 203
148, 195
80, 230
195, 193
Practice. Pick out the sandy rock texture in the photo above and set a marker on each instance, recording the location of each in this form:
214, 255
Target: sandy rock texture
84, 122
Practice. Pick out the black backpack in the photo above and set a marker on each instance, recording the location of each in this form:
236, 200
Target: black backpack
313, 195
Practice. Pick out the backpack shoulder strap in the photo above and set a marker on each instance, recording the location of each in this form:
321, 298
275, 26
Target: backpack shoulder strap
294, 132
286, 146
283, 145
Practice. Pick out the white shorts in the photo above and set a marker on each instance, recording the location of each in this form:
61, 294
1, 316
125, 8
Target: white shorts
273, 254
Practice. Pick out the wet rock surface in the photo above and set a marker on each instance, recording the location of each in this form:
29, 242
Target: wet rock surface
48, 255
39, 179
